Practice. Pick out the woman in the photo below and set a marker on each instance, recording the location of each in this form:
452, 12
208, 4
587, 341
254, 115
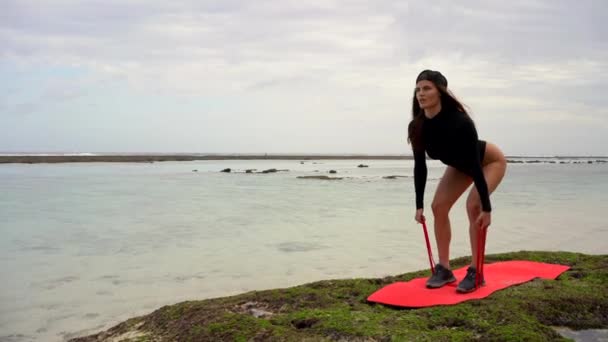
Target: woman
442, 128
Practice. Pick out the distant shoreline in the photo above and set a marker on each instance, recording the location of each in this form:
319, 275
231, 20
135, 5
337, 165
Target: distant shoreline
144, 158
149, 158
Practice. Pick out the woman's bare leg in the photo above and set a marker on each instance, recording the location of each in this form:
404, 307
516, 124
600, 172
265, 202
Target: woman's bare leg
494, 169
450, 187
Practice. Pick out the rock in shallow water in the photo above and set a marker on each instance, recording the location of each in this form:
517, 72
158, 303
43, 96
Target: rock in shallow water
319, 177
583, 335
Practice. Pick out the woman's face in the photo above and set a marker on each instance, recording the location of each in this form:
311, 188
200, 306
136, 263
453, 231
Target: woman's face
427, 94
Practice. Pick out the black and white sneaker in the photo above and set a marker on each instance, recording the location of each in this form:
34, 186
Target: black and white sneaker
468, 283
440, 277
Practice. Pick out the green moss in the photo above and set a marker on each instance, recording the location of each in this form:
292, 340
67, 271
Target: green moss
518, 332
337, 309
142, 339
233, 327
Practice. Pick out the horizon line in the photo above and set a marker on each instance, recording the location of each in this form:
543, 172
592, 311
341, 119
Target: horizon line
236, 154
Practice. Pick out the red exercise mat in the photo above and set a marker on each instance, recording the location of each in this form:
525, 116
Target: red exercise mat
498, 275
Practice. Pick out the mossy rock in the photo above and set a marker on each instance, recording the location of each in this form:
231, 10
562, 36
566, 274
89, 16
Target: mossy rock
334, 310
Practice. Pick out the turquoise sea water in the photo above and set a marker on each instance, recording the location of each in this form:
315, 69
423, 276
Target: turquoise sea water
85, 246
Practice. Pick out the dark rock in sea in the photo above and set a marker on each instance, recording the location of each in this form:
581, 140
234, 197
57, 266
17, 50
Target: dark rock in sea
601, 161
590, 162
195, 170
562, 162
361, 165
250, 170
393, 177
333, 171
515, 161
320, 177
552, 162
226, 170
273, 170
533, 161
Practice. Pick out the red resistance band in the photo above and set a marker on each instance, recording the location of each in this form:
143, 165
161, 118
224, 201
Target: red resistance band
428, 247
481, 255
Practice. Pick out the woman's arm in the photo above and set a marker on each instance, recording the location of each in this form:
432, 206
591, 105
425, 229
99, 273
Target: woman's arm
420, 174
471, 153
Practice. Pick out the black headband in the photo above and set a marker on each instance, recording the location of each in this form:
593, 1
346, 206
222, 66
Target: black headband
433, 76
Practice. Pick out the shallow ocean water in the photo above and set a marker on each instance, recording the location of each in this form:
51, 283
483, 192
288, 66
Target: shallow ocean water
85, 246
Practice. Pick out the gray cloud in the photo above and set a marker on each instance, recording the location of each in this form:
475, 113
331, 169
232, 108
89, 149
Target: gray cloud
302, 35
346, 62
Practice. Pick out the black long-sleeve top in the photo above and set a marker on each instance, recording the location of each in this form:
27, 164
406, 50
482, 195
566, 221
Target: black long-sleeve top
452, 138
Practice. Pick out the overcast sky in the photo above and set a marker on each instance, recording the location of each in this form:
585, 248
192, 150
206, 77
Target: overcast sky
292, 76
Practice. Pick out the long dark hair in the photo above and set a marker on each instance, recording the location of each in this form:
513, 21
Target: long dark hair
449, 103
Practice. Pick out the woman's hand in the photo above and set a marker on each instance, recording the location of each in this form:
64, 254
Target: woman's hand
484, 219
419, 216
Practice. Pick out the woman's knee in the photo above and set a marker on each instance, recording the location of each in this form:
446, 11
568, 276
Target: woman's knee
473, 207
440, 208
